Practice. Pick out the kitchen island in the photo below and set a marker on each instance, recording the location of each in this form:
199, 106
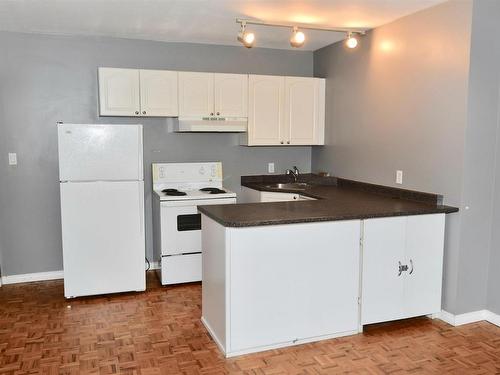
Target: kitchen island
284, 273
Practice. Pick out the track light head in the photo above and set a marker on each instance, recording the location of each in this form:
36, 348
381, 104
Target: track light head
351, 41
245, 37
298, 38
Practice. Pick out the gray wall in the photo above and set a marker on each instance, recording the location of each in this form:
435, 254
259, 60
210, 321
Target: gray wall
485, 115
399, 101
44, 79
479, 158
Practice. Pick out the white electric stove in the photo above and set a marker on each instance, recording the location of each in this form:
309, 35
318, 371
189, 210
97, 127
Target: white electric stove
179, 188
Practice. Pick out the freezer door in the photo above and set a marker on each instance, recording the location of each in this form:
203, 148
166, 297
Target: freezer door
103, 237
100, 152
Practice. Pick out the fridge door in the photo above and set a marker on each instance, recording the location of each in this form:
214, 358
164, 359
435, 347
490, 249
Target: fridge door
103, 237
90, 152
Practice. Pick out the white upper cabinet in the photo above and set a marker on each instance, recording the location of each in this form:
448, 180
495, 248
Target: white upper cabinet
285, 111
119, 92
231, 95
266, 103
158, 90
213, 94
134, 92
280, 110
304, 110
196, 94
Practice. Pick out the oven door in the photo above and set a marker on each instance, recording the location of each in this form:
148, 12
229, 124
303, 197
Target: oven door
181, 225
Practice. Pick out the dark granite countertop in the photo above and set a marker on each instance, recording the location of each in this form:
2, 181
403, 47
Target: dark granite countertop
337, 199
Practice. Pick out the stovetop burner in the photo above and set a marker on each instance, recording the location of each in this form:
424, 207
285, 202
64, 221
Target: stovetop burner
173, 192
213, 190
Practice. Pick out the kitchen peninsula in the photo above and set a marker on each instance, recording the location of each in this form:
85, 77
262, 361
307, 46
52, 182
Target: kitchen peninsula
339, 255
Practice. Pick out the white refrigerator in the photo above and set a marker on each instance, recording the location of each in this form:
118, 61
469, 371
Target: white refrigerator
102, 208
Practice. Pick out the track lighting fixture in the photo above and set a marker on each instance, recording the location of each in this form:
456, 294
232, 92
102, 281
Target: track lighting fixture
245, 37
351, 41
298, 38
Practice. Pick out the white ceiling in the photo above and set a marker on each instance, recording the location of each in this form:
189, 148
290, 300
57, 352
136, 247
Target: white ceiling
200, 21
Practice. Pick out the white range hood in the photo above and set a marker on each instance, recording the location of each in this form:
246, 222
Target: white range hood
214, 124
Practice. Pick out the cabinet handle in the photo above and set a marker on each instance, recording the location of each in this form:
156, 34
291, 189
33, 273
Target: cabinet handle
411, 264
143, 112
211, 114
287, 142
136, 112
294, 197
218, 113
281, 142
402, 267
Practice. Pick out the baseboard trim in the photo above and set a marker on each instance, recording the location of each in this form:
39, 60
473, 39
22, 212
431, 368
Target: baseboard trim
44, 276
32, 277
471, 317
493, 318
154, 266
213, 335
290, 343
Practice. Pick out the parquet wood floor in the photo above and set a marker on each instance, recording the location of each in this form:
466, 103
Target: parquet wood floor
159, 332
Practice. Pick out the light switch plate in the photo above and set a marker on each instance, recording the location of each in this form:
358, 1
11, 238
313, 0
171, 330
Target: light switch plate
270, 167
399, 177
12, 158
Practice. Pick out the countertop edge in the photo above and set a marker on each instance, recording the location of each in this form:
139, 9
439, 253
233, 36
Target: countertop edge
240, 224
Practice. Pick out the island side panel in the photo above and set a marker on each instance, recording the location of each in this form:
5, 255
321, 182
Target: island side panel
214, 280
292, 283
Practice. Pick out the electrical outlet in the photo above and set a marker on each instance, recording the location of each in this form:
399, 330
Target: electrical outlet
399, 177
270, 167
12, 158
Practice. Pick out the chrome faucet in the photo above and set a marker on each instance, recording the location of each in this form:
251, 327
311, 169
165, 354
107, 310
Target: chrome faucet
295, 173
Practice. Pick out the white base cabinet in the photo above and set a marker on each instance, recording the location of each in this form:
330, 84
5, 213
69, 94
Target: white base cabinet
267, 287
273, 286
402, 267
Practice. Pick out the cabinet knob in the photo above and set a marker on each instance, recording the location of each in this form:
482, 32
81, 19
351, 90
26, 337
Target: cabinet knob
287, 142
218, 113
281, 142
143, 112
294, 197
211, 114
136, 112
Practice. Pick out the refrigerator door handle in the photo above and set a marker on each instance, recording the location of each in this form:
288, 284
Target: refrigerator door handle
141, 154
141, 210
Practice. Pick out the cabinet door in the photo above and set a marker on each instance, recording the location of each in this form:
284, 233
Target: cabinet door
290, 282
424, 256
265, 110
158, 93
119, 92
382, 285
196, 94
304, 110
231, 95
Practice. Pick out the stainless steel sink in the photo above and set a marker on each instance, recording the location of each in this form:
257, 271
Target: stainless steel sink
289, 186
